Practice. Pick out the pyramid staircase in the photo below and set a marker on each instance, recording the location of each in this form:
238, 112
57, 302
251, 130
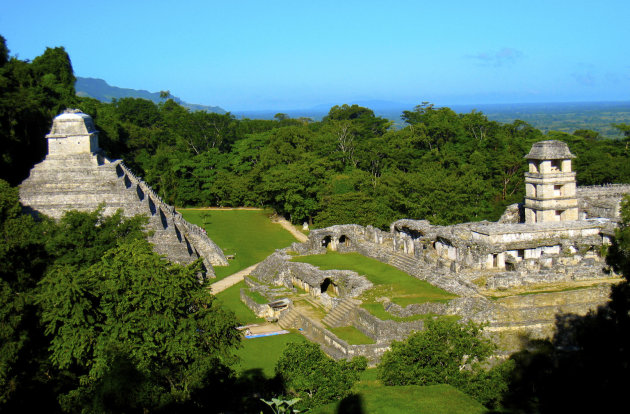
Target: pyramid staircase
86, 181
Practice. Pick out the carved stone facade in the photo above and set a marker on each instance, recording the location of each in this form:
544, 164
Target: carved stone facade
75, 175
550, 184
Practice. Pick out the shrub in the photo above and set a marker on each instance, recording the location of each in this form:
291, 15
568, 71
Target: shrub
446, 352
307, 373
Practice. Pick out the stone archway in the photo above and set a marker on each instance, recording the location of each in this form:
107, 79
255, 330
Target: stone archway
326, 241
325, 285
344, 240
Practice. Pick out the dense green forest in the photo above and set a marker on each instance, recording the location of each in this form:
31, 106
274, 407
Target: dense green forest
348, 168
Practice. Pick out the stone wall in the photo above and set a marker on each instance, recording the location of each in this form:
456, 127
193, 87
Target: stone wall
602, 201
338, 348
467, 308
385, 331
515, 320
262, 311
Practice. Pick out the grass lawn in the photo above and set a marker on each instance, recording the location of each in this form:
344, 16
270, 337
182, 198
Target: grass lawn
249, 234
231, 299
255, 353
388, 281
352, 335
371, 397
263, 353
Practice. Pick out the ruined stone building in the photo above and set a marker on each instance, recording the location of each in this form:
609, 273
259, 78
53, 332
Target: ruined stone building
76, 175
543, 258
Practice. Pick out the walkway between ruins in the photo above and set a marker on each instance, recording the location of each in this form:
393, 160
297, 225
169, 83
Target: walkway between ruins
291, 229
231, 280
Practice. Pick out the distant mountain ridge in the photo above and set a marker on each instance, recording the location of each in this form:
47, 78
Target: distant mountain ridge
101, 90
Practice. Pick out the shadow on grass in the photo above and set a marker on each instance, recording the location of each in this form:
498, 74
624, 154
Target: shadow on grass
252, 385
352, 404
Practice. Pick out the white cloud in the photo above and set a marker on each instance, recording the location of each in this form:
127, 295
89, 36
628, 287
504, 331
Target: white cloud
502, 57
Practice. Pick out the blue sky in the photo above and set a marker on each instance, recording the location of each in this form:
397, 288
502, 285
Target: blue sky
249, 55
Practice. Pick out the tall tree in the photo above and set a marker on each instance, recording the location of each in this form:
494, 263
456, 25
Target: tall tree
31, 94
138, 332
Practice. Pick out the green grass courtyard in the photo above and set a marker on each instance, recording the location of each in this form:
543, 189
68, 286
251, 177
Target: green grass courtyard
249, 235
389, 282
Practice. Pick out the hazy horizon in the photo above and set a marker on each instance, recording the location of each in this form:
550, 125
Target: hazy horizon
250, 55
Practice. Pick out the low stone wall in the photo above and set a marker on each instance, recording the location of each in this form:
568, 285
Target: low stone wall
587, 269
608, 190
260, 310
338, 348
467, 308
385, 331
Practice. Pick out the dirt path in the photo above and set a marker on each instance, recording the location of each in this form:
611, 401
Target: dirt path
291, 229
231, 280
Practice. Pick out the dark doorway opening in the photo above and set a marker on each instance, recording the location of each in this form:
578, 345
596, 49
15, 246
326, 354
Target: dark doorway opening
325, 285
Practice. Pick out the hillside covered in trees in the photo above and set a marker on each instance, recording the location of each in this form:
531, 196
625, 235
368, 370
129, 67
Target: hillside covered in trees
348, 168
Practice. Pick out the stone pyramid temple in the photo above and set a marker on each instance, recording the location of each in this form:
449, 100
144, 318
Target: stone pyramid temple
75, 175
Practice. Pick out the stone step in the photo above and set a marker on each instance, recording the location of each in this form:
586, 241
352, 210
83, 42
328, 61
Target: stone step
403, 265
312, 301
342, 313
288, 319
403, 262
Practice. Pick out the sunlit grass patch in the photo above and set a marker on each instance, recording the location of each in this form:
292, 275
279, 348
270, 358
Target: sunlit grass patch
389, 282
371, 397
263, 353
231, 299
249, 235
352, 335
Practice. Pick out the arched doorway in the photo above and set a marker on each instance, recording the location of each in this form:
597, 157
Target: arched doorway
325, 285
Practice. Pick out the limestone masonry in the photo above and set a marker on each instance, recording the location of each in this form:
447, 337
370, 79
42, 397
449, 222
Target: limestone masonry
75, 175
541, 260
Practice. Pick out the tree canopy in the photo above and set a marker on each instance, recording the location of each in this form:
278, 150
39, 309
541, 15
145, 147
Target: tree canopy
352, 166
93, 320
447, 352
313, 377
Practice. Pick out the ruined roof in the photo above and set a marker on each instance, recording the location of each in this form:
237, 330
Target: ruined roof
519, 228
549, 150
71, 122
418, 225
